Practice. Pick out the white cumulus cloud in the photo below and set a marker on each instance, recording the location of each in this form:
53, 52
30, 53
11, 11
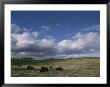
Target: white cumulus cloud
81, 41
27, 43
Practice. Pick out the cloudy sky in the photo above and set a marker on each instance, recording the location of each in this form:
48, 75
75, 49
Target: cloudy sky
56, 34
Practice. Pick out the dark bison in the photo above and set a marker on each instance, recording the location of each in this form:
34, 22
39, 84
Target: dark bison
44, 69
19, 65
59, 68
30, 67
50, 67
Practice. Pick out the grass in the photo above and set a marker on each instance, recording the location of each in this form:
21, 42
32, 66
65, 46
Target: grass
85, 67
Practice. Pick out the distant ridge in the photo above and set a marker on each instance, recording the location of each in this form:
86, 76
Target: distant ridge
60, 58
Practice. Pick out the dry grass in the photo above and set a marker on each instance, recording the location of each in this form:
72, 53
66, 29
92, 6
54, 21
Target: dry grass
84, 67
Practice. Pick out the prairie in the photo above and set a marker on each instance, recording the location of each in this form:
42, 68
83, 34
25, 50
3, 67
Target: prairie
72, 67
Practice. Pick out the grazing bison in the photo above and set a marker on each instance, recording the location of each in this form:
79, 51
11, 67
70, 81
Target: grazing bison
50, 67
19, 65
44, 69
30, 68
59, 68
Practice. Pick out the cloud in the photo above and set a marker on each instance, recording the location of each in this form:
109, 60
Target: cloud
27, 43
35, 34
94, 27
81, 43
46, 28
22, 40
17, 29
58, 24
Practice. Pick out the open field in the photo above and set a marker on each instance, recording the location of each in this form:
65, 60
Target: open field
84, 67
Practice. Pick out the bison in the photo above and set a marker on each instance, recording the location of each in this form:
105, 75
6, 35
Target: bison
50, 67
44, 69
30, 67
59, 68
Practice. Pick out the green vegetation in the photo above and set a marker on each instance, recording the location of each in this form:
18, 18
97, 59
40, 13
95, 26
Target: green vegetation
83, 67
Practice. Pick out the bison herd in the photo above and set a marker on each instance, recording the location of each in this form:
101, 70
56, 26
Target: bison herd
44, 69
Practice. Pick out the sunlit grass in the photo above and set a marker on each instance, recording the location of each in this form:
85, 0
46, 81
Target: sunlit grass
72, 68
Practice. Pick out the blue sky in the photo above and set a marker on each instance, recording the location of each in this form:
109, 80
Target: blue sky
55, 29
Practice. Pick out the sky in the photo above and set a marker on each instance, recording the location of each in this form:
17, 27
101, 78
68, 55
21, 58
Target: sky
55, 34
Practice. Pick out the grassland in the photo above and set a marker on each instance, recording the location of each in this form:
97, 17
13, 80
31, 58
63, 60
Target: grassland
84, 67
